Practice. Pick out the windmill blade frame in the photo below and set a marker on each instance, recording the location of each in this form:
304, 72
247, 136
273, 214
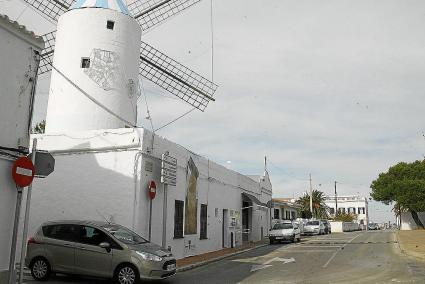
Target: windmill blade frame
176, 78
51, 9
46, 60
152, 12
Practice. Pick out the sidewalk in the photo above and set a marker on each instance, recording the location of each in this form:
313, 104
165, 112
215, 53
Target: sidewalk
412, 243
205, 258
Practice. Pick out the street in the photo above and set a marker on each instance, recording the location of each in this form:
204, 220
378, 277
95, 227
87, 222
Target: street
356, 257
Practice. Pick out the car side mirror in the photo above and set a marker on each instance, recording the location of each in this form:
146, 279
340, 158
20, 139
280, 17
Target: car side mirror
106, 246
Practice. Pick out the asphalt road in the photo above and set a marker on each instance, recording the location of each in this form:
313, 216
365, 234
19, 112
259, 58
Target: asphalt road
358, 257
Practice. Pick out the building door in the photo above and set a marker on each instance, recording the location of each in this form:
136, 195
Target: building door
225, 227
245, 220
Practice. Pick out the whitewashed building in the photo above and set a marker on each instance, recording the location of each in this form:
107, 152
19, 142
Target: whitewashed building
18, 62
104, 174
284, 209
349, 204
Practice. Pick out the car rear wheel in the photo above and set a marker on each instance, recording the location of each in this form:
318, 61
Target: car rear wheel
40, 269
126, 274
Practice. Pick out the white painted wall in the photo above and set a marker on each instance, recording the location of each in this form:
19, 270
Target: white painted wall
92, 179
407, 222
17, 51
338, 227
79, 33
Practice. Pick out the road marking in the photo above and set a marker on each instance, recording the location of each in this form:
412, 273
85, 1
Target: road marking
266, 264
259, 267
311, 250
335, 253
327, 246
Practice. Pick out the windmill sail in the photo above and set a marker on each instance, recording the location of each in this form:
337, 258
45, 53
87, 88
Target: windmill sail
175, 78
152, 12
46, 61
51, 9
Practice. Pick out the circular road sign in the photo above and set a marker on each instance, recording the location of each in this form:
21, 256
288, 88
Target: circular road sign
152, 189
23, 172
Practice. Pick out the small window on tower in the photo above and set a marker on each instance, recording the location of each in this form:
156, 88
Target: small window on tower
110, 25
85, 62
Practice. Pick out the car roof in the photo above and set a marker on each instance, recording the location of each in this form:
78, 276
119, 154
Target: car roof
78, 222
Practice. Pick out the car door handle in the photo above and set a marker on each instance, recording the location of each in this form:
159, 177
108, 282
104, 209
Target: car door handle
67, 245
82, 248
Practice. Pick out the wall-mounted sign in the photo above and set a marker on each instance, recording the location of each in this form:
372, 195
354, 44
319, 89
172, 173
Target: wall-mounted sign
168, 170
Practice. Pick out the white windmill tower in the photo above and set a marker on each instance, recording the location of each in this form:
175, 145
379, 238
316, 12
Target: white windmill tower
96, 55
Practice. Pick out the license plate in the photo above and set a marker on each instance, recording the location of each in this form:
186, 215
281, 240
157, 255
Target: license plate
279, 238
171, 267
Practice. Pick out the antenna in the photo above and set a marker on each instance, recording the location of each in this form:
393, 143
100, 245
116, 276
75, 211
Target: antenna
103, 217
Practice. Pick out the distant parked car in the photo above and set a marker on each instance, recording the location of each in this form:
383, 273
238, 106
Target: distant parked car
373, 226
96, 249
328, 229
315, 227
285, 231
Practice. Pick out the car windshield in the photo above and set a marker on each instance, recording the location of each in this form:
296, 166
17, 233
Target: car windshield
282, 226
124, 235
313, 223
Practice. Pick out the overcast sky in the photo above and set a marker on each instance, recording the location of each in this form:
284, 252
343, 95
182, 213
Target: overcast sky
331, 88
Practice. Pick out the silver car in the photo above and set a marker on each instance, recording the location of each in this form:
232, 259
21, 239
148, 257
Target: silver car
314, 227
96, 249
285, 231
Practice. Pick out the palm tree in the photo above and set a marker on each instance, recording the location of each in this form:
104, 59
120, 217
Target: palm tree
320, 209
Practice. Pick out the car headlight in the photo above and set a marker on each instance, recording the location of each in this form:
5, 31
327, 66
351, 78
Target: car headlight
149, 256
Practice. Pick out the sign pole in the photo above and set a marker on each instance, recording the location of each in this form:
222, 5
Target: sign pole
164, 218
14, 237
150, 219
26, 219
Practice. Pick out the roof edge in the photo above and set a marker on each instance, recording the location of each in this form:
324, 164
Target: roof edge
22, 32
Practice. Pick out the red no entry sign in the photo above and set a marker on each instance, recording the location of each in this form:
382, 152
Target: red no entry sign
152, 189
23, 172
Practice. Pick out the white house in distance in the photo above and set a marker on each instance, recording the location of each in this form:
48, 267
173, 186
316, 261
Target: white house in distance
19, 48
351, 204
284, 209
104, 174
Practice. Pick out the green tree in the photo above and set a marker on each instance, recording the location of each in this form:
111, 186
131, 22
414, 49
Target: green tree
39, 128
404, 184
320, 209
345, 217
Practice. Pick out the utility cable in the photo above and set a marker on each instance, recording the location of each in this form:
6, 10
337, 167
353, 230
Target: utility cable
212, 67
93, 99
142, 90
174, 120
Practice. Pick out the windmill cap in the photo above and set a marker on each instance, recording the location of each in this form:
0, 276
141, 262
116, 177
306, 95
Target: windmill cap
117, 5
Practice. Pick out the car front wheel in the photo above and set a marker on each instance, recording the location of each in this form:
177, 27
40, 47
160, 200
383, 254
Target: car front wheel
126, 274
40, 269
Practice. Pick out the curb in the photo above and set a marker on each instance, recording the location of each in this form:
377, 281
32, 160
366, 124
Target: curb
205, 262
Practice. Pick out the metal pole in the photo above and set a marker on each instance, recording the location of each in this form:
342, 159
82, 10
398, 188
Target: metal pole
336, 202
164, 218
150, 219
26, 219
367, 215
14, 237
311, 198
